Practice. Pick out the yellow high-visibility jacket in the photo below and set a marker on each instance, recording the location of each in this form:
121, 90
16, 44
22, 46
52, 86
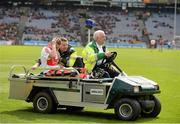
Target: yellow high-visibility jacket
91, 56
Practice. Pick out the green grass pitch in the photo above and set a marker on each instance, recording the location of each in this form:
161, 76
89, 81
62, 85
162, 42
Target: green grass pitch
162, 67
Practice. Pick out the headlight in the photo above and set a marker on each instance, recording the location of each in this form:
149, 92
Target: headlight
156, 87
136, 89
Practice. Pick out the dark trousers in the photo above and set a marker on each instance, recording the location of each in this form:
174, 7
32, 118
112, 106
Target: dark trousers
104, 72
112, 72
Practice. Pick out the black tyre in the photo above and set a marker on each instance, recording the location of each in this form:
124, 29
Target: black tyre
43, 103
73, 108
127, 109
154, 111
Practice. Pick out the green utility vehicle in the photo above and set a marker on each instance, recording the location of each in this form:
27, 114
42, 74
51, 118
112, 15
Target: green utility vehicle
129, 96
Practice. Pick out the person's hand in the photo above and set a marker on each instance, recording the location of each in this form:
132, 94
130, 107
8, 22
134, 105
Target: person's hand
54, 42
35, 66
61, 66
108, 54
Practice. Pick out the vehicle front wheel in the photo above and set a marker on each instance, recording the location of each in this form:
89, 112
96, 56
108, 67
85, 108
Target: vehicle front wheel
43, 103
154, 111
127, 109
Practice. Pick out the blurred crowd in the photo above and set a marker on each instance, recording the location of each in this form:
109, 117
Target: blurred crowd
43, 24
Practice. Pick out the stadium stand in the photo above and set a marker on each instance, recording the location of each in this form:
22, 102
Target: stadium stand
9, 25
119, 27
36, 25
160, 24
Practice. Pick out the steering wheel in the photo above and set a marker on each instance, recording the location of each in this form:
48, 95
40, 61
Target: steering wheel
110, 59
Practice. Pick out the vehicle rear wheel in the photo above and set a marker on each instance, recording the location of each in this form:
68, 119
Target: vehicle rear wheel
43, 103
127, 109
154, 111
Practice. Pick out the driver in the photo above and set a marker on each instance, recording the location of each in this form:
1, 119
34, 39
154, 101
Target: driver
95, 55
